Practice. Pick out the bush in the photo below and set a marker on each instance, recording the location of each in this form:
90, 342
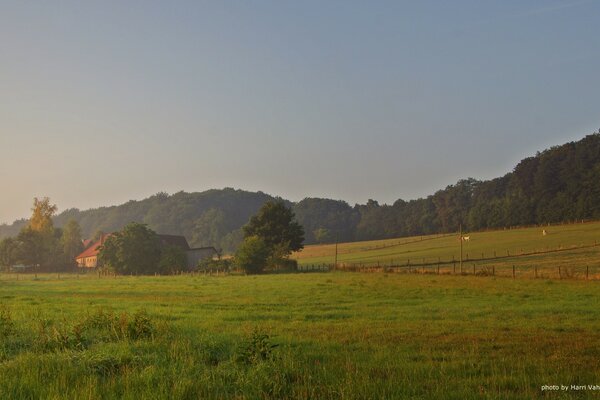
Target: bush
140, 326
252, 255
215, 265
257, 348
284, 264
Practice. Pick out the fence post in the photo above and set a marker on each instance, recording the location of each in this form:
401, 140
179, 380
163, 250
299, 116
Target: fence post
559, 273
453, 266
493, 270
535, 269
513, 271
587, 272
473, 269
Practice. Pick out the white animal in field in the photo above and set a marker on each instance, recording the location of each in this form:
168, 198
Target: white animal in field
466, 238
544, 233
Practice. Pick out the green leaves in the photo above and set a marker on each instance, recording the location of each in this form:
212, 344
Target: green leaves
275, 224
134, 250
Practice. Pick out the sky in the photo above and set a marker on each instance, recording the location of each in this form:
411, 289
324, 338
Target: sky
106, 101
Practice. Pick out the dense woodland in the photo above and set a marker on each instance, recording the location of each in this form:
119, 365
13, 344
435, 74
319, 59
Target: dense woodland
556, 185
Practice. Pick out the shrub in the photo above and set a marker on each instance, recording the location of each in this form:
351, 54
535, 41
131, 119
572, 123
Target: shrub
284, 264
252, 255
215, 265
140, 326
256, 349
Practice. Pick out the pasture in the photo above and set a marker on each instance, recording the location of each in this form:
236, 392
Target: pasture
337, 335
574, 248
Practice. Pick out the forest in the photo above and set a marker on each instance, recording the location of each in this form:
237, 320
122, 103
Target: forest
559, 184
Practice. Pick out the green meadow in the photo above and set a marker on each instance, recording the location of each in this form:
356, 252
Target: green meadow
337, 335
573, 247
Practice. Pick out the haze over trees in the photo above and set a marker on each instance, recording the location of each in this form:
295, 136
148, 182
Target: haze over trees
559, 184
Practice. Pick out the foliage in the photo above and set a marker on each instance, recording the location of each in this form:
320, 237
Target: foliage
274, 223
209, 264
252, 255
556, 185
140, 326
257, 348
71, 241
134, 250
172, 259
326, 221
42, 213
9, 252
137, 250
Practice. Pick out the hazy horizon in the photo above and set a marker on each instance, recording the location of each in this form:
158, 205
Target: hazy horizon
108, 102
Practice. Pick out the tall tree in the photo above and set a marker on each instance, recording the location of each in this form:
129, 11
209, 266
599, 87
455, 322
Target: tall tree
275, 225
71, 241
9, 248
42, 213
134, 250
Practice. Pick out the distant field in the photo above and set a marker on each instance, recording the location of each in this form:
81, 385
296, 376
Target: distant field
339, 335
573, 247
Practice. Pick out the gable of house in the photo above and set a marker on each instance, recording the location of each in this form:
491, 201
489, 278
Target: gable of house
89, 257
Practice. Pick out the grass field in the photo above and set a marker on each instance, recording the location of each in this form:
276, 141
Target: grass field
339, 335
573, 247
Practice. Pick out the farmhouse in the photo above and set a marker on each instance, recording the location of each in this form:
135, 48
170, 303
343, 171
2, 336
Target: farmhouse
89, 257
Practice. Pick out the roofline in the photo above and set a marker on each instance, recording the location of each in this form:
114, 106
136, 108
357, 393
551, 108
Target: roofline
203, 248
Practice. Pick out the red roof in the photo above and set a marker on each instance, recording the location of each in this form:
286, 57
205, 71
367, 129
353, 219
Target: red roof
93, 249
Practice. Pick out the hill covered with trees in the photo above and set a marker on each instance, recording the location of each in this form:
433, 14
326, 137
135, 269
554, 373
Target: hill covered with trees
558, 184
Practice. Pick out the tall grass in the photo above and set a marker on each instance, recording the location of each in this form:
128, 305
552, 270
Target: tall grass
338, 335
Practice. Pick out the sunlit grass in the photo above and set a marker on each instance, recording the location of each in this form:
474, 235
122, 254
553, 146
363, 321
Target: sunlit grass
339, 335
575, 248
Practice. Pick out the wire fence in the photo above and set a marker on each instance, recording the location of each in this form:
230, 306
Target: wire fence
590, 272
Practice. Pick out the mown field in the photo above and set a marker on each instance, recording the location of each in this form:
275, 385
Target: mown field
338, 335
574, 248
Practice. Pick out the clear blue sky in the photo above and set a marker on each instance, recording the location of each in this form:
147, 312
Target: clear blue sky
102, 102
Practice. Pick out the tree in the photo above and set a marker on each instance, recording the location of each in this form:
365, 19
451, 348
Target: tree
275, 225
41, 218
252, 255
134, 250
9, 248
172, 259
38, 241
32, 248
71, 241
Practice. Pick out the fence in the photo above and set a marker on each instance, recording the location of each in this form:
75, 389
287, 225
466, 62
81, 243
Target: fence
591, 272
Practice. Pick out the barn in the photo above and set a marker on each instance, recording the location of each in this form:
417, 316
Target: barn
89, 257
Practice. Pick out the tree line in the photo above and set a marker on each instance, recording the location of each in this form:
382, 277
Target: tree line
559, 184
40, 245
